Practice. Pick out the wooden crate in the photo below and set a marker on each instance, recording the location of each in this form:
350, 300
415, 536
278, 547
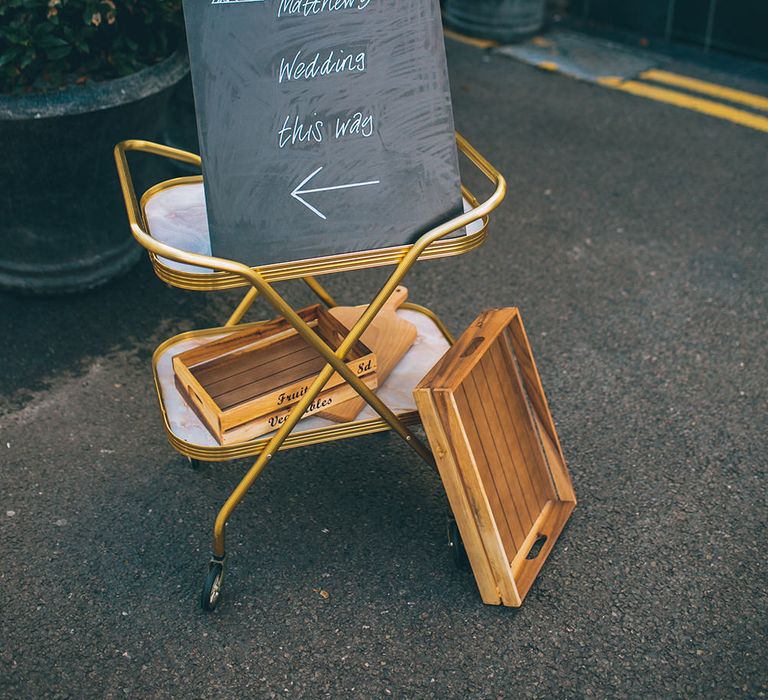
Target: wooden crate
260, 372
499, 457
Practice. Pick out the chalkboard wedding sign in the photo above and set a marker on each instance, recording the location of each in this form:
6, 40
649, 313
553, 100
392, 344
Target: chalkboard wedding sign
325, 125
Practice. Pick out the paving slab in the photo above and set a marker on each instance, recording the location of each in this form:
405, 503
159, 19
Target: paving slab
582, 56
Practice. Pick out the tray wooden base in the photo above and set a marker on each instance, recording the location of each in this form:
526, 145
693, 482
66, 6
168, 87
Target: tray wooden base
487, 420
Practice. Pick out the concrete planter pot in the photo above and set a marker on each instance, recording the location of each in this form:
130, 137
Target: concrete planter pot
63, 223
505, 21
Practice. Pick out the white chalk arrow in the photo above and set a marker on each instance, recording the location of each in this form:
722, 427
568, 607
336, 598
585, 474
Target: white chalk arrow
297, 192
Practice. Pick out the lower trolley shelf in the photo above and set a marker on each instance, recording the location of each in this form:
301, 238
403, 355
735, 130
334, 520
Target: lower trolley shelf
189, 435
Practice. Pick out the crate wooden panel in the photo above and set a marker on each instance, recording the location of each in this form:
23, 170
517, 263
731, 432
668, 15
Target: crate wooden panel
327, 400
487, 420
262, 371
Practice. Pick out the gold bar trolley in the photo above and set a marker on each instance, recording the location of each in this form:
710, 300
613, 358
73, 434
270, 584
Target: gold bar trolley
201, 271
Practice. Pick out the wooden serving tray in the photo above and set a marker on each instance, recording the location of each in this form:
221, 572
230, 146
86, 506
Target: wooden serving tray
263, 370
499, 457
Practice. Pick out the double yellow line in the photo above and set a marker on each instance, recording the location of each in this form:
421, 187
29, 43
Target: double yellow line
644, 86
470, 40
694, 102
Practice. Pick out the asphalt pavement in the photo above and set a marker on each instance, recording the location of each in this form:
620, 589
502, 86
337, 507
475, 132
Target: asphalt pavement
635, 242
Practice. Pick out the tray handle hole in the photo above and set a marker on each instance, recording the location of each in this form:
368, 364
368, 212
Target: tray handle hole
536, 547
476, 342
194, 396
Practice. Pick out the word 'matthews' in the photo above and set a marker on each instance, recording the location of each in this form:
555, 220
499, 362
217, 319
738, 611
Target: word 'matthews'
334, 63
315, 7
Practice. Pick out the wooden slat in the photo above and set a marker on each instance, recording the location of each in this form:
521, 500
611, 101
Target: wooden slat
560, 478
335, 333
285, 373
517, 342
544, 428
457, 493
255, 359
266, 331
507, 520
515, 459
477, 495
520, 435
501, 468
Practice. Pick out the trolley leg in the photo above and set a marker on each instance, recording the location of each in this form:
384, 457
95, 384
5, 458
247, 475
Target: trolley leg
335, 359
320, 291
252, 294
242, 307
212, 587
456, 544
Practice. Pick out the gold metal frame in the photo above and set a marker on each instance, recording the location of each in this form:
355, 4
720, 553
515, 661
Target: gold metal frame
228, 274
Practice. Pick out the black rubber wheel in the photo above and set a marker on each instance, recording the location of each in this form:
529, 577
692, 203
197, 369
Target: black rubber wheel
211, 594
195, 463
458, 552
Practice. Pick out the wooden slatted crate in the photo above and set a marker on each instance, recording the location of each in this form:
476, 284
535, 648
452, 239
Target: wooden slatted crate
499, 457
244, 384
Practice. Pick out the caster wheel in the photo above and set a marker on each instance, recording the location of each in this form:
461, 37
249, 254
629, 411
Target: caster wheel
195, 463
209, 598
460, 558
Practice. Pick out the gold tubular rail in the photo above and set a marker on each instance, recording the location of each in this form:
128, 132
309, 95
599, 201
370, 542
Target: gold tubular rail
204, 280
242, 307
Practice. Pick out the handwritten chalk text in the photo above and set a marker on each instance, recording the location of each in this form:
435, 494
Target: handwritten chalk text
357, 124
295, 131
337, 61
315, 7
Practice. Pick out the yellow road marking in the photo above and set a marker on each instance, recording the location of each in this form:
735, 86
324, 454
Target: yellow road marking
541, 42
705, 88
697, 104
472, 41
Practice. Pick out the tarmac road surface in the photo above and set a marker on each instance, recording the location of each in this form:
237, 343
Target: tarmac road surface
634, 242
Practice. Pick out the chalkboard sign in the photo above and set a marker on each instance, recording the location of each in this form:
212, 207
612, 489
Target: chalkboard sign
325, 125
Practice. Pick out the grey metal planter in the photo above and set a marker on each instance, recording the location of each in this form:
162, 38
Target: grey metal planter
505, 21
62, 224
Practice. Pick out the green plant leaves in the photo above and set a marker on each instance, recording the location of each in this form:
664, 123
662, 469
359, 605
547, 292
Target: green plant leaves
50, 44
